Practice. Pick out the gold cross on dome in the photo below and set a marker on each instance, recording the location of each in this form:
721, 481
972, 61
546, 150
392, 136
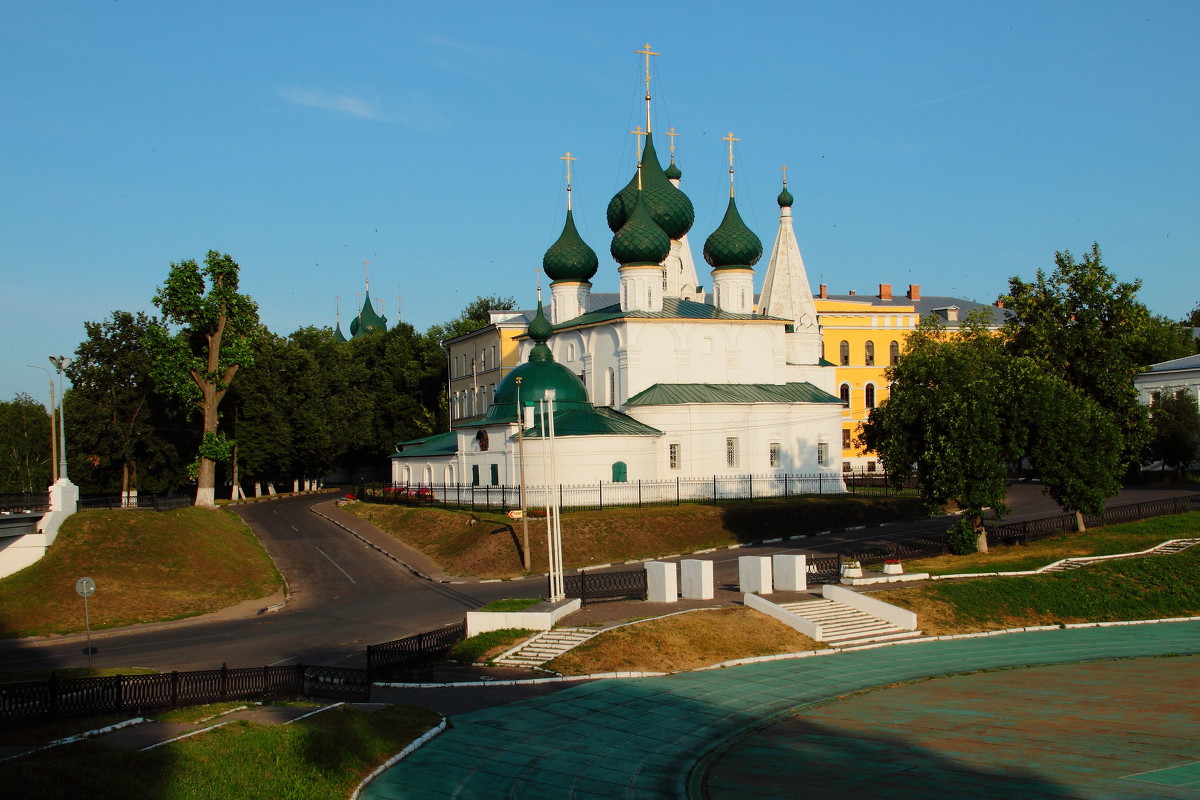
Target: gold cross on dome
638, 132
568, 158
730, 138
784, 168
647, 52
672, 134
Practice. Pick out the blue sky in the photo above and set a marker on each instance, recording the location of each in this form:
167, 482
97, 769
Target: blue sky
946, 144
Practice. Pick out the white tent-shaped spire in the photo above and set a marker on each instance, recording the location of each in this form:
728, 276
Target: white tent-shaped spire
785, 290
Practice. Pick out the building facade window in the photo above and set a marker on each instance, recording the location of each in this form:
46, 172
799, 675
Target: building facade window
845, 438
894, 353
844, 353
731, 451
495, 474
846, 467
571, 351
773, 454
822, 454
869, 395
844, 394
474, 474
673, 455
869, 354
611, 395
620, 473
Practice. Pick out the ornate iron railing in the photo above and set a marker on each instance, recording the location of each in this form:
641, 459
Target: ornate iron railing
144, 501
589, 586
824, 569
413, 650
1035, 529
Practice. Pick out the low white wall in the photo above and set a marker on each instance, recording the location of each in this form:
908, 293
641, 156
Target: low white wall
900, 617
805, 626
19, 552
484, 621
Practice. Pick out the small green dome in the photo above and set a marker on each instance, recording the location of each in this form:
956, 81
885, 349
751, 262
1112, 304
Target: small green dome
540, 330
640, 242
785, 198
732, 245
670, 208
673, 172
540, 373
367, 321
570, 258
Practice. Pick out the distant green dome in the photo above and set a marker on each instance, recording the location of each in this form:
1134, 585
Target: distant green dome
732, 245
570, 258
540, 330
673, 172
640, 242
367, 320
670, 208
785, 198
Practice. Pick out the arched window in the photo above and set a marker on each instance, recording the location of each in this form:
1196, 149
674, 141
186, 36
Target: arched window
449, 474
571, 351
407, 474
869, 395
742, 295
717, 296
706, 345
610, 389
869, 354
894, 352
844, 353
427, 477
844, 393
649, 297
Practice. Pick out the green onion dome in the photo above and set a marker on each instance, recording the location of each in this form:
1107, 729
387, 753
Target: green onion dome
673, 172
732, 245
367, 321
640, 241
785, 198
670, 208
570, 258
539, 373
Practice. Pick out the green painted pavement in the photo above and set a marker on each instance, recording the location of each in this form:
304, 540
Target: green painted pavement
646, 738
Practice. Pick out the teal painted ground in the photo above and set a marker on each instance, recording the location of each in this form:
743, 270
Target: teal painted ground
665, 737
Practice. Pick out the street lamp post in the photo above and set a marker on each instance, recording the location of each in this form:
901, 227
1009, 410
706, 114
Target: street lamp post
53, 429
61, 363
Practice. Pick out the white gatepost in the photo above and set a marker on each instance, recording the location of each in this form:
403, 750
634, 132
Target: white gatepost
754, 574
791, 572
697, 579
662, 582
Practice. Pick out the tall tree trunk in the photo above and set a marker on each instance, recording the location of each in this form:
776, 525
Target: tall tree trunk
1079, 523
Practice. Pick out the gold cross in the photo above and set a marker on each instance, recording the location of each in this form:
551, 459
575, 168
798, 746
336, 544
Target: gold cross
568, 158
367, 267
647, 53
731, 140
671, 133
784, 174
638, 132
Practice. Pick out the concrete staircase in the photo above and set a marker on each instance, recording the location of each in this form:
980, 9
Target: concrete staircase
844, 627
545, 646
1164, 549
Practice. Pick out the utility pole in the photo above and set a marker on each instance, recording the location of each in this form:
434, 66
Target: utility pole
525, 561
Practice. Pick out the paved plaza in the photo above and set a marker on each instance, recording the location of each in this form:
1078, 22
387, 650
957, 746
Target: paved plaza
1081, 725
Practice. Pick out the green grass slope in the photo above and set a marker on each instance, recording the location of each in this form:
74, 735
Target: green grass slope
148, 566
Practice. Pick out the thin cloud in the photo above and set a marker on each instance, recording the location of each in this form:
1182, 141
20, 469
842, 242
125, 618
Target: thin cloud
476, 50
956, 94
341, 103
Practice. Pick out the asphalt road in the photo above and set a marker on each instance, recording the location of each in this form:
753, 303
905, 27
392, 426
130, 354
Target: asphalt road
345, 595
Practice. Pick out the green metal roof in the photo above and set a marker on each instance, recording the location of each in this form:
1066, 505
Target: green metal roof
439, 444
673, 308
600, 421
732, 245
570, 258
367, 320
671, 394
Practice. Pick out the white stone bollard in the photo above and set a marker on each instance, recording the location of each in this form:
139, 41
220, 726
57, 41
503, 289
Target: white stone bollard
697, 578
791, 572
754, 574
662, 582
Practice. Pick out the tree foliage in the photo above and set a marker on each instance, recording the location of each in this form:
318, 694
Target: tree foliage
25, 457
1175, 430
473, 317
214, 325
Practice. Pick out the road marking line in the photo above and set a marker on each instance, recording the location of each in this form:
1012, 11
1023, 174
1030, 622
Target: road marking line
336, 564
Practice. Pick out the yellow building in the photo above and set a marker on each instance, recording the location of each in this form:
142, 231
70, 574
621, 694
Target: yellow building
476, 362
863, 335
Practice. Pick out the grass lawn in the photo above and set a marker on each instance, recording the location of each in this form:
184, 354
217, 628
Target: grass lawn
1148, 587
321, 757
683, 641
1129, 538
148, 566
486, 545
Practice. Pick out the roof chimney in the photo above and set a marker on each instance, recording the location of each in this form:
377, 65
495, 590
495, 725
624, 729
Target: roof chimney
824, 292
885, 291
999, 304
852, 293
914, 291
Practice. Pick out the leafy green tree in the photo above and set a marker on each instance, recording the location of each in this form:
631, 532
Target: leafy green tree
198, 360
25, 457
1175, 422
473, 317
1085, 326
122, 434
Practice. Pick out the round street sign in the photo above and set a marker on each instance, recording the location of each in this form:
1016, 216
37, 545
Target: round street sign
85, 587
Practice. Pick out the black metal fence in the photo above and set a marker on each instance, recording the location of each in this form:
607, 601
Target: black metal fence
24, 502
144, 501
412, 650
64, 697
590, 586
824, 569
1032, 530
718, 488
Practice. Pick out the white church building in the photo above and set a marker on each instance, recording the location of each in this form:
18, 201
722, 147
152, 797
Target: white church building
669, 385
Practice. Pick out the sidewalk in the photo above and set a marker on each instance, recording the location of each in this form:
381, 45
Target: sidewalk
649, 737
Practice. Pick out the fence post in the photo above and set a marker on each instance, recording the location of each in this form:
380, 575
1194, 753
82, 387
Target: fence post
224, 680
600, 493
265, 678
714, 488
560, 495
175, 689
676, 490
750, 478
639, 492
